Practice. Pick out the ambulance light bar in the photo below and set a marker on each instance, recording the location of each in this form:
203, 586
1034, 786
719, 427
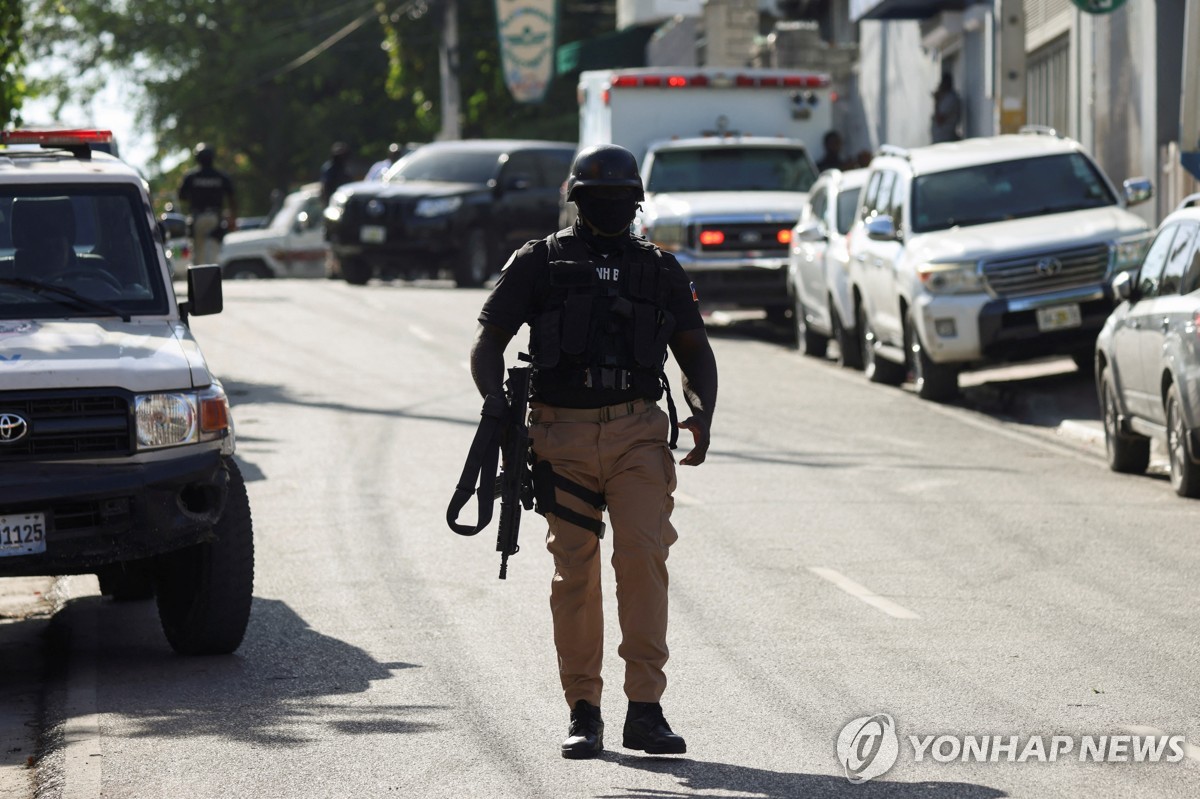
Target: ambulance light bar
72, 137
659, 80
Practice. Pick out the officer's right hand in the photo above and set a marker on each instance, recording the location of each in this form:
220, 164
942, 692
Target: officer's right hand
699, 428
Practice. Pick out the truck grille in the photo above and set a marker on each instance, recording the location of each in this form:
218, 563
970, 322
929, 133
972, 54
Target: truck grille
743, 236
1041, 273
64, 426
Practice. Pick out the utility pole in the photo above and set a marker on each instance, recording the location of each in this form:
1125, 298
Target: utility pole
448, 64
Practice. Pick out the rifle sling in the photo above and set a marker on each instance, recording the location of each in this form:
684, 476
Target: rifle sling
482, 462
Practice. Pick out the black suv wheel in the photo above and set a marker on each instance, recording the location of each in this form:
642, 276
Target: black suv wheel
1127, 453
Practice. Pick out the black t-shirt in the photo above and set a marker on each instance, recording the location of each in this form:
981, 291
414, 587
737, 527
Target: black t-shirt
515, 302
205, 189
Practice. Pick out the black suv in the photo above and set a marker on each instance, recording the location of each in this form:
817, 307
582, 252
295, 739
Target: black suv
459, 206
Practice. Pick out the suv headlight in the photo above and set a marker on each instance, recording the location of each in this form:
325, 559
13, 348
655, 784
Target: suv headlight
956, 277
184, 417
668, 235
438, 206
1127, 253
337, 206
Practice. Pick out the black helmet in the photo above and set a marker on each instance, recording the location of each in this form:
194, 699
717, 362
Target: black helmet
604, 165
204, 154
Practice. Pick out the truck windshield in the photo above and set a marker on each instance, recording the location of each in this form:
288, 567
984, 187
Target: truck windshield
446, 166
93, 241
995, 192
726, 168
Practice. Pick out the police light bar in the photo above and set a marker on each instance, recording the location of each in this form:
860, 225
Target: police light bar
660, 80
66, 137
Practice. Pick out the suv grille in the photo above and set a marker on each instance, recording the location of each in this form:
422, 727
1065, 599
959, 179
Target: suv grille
1039, 273
69, 426
742, 236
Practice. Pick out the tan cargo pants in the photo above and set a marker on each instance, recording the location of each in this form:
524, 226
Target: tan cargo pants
620, 451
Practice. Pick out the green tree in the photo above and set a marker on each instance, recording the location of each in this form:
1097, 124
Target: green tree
12, 81
273, 83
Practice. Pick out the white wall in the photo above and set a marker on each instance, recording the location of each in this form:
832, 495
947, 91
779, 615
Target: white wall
895, 83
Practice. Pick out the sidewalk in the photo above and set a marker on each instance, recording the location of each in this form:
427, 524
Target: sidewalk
25, 609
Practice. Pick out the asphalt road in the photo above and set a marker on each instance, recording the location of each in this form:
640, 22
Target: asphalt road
847, 550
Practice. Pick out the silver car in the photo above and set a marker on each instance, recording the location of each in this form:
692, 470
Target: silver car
818, 268
1148, 357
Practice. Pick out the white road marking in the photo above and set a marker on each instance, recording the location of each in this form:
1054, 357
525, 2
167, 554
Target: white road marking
862, 592
1189, 750
421, 333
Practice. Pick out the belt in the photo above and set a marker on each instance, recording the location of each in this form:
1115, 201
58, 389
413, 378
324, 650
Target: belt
541, 414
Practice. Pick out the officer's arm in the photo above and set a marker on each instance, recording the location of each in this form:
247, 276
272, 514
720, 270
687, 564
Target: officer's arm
698, 365
487, 359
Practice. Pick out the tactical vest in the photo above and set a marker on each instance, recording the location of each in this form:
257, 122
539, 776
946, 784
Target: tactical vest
596, 333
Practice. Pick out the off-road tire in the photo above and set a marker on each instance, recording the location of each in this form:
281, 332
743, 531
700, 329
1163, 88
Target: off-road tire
1185, 474
1126, 453
474, 264
356, 271
204, 591
807, 341
877, 370
127, 581
247, 270
933, 381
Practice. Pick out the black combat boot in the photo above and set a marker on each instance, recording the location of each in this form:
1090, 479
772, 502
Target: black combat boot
647, 731
585, 736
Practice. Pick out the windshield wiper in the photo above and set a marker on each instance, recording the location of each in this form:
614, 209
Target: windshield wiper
37, 287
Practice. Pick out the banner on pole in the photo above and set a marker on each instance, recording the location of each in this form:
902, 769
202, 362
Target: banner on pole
527, 35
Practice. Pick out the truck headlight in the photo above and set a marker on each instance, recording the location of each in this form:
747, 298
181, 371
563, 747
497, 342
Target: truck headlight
438, 206
184, 417
957, 277
337, 206
670, 236
1127, 253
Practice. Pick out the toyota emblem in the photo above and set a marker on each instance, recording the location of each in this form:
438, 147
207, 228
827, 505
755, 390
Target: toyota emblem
1049, 266
12, 428
751, 237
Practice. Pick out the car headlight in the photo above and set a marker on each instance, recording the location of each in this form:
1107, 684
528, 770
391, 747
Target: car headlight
438, 206
337, 206
1127, 253
670, 236
957, 277
184, 417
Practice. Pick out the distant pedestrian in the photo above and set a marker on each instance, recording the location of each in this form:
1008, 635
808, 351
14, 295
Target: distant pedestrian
947, 111
334, 172
207, 192
379, 167
832, 159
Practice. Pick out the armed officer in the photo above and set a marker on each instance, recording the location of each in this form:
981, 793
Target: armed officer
207, 191
603, 307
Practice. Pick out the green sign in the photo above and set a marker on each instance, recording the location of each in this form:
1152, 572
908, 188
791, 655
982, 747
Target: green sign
1098, 6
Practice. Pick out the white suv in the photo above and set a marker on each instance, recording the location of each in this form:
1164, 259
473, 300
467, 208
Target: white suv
986, 250
116, 441
291, 245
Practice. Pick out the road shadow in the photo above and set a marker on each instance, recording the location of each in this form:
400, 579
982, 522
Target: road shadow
713, 779
287, 684
1043, 400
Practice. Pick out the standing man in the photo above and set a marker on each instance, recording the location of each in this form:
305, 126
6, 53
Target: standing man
379, 167
947, 111
832, 158
603, 307
205, 191
334, 172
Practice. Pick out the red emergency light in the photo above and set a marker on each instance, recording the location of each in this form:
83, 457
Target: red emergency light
712, 238
67, 137
784, 236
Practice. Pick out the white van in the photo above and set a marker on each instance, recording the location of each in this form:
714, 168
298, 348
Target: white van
291, 245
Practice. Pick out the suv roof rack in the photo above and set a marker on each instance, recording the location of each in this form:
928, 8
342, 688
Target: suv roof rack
895, 151
1039, 130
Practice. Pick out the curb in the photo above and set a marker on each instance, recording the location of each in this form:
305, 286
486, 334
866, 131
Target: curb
25, 611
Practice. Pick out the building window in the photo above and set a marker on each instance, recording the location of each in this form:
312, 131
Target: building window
1047, 75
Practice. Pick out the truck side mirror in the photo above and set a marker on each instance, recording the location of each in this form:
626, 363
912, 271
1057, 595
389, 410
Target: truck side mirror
1137, 190
813, 232
1124, 288
205, 296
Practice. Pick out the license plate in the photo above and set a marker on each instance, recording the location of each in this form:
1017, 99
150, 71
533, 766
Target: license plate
1059, 317
372, 234
22, 534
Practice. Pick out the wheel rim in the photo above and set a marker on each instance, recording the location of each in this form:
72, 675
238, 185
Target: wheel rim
867, 338
1110, 421
914, 358
801, 325
1176, 452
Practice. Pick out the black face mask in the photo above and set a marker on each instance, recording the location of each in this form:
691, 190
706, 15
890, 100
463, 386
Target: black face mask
611, 217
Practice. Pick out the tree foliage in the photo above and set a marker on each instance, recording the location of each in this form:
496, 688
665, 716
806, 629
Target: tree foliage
273, 83
12, 81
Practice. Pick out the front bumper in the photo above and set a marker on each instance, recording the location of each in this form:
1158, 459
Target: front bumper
738, 282
1006, 330
415, 241
101, 513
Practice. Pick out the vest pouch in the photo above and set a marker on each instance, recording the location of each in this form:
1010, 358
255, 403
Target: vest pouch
544, 339
650, 336
576, 325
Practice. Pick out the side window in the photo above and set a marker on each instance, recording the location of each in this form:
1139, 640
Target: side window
1177, 260
521, 171
818, 203
1152, 265
555, 168
869, 195
899, 200
847, 204
1191, 279
883, 203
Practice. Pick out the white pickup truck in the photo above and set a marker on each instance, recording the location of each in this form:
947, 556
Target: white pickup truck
726, 163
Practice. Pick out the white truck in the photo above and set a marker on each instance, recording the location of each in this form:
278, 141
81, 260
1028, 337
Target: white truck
726, 160
291, 245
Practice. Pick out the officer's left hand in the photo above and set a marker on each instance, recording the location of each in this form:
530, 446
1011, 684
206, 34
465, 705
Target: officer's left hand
699, 428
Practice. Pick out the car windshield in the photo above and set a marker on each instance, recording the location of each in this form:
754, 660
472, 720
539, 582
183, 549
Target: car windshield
446, 166
728, 168
847, 204
995, 192
77, 250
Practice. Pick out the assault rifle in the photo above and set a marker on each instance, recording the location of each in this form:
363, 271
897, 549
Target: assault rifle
502, 428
